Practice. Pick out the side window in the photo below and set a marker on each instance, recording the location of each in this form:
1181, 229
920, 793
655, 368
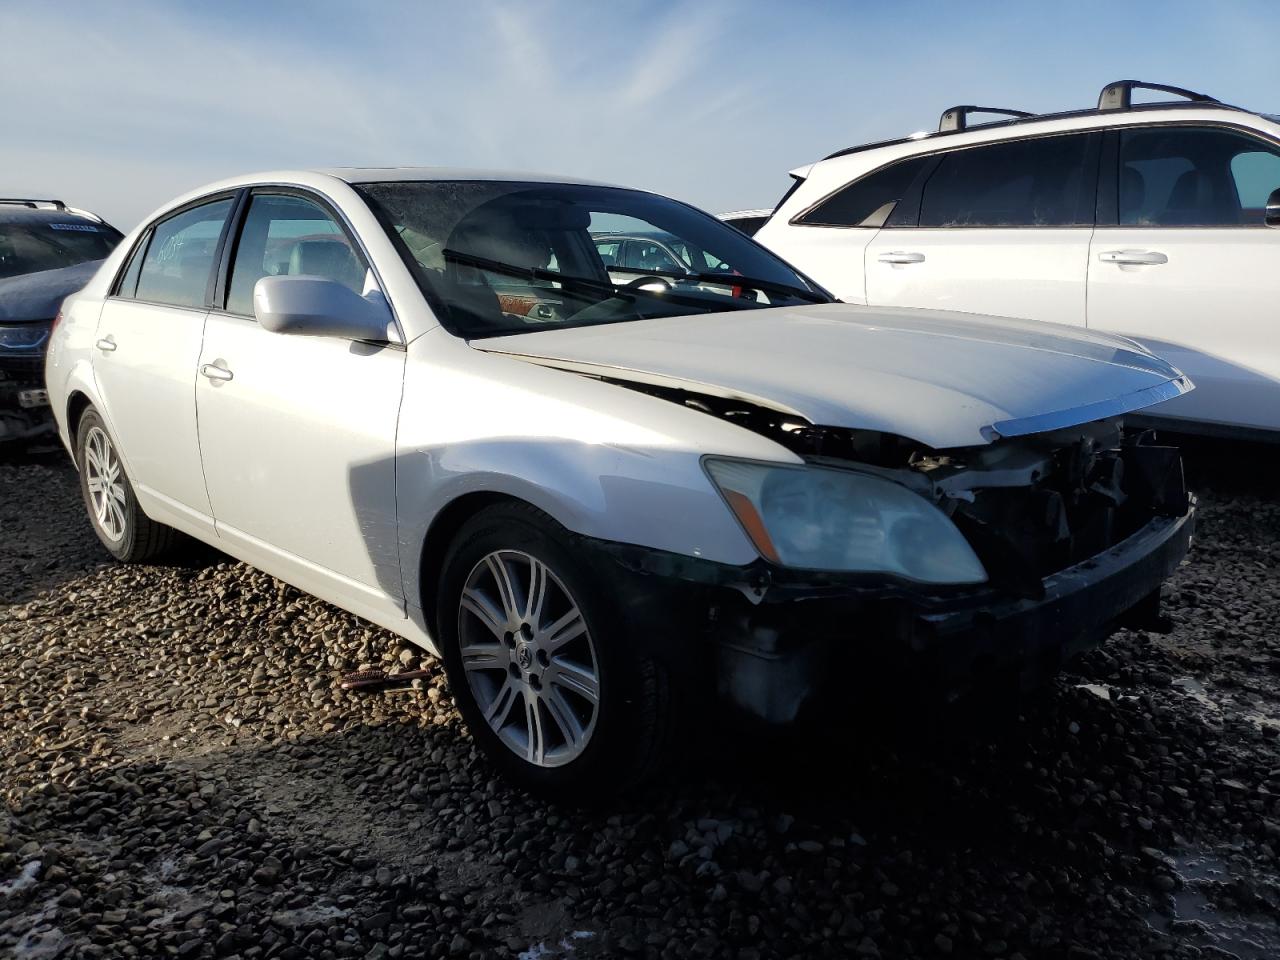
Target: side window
866, 202
1194, 177
1025, 183
175, 268
608, 250
1257, 176
129, 279
290, 236
644, 255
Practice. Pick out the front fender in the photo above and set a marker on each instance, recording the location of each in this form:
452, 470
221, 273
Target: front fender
603, 491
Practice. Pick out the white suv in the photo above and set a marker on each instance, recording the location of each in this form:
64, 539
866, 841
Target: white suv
1148, 220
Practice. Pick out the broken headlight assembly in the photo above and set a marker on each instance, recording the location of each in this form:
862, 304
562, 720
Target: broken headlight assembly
839, 520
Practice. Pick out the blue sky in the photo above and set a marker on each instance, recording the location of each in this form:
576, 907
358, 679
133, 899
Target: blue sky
118, 107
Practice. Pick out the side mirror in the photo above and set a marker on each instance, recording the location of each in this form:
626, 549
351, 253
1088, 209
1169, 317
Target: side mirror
1272, 215
318, 307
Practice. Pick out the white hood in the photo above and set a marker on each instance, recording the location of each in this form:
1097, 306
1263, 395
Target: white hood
942, 379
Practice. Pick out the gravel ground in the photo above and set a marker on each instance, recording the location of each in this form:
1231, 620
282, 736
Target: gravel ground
183, 777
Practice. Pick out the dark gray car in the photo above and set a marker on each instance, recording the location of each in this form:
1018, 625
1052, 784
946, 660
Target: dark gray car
47, 251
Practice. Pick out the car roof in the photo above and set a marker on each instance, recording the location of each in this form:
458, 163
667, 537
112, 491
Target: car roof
24, 211
412, 174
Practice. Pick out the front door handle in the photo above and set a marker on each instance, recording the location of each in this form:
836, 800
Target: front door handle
216, 371
106, 344
1135, 257
901, 256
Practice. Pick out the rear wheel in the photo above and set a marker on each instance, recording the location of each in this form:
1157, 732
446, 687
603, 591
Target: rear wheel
551, 686
128, 534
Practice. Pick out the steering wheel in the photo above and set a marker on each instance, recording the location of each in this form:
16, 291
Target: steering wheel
649, 280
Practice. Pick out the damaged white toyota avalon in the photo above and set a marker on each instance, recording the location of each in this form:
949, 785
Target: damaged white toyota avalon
608, 456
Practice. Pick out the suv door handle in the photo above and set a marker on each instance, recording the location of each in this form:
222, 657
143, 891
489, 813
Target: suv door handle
216, 371
901, 256
1136, 257
106, 344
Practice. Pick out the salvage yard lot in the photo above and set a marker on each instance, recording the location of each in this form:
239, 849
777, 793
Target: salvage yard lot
182, 776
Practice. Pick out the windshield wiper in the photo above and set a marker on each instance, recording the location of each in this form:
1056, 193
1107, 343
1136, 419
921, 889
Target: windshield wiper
733, 280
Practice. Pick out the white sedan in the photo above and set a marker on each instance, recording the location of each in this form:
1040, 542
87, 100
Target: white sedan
420, 395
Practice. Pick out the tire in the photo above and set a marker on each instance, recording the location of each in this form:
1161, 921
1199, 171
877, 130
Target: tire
624, 732
128, 534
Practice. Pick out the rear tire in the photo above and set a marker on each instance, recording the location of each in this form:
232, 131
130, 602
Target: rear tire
128, 534
572, 719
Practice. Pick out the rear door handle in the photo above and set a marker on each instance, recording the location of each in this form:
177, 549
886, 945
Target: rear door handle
106, 344
901, 256
1135, 257
216, 371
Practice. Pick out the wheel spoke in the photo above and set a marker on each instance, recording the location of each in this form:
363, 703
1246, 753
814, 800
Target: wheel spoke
567, 721
537, 593
506, 590
568, 627
479, 606
483, 656
117, 515
117, 493
501, 706
94, 484
533, 721
579, 680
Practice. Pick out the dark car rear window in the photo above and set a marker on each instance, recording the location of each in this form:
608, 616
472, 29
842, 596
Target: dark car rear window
30, 246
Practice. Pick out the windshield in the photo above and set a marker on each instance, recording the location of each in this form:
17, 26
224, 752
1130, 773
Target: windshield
497, 258
35, 245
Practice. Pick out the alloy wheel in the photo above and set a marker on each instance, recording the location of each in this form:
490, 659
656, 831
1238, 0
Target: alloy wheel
104, 477
529, 659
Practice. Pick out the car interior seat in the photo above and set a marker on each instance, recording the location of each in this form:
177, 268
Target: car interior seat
1193, 200
1133, 194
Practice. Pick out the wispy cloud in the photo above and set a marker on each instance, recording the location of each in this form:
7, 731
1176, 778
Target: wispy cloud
120, 106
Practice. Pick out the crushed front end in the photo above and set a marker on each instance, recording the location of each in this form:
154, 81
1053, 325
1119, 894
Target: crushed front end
1076, 531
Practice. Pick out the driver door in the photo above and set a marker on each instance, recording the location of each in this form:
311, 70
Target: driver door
297, 433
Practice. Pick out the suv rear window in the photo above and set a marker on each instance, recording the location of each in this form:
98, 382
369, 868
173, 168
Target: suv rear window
1026, 183
866, 202
34, 245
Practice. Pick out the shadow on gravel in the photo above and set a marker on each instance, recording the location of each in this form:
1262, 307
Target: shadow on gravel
1044, 839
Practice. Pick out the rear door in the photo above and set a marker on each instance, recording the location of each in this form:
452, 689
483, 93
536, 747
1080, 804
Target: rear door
828, 240
148, 347
297, 433
999, 228
1183, 262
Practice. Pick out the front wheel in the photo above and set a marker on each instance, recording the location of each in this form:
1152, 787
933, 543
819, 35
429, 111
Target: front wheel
128, 534
550, 685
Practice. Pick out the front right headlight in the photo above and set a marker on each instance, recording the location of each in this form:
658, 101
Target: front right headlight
824, 519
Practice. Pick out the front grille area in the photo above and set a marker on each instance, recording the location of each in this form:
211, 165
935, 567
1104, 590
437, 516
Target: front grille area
22, 369
1089, 501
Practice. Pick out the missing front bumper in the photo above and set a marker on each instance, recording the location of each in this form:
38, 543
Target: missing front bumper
773, 662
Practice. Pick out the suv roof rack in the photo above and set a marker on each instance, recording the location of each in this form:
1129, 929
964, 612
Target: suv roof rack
33, 204
1115, 96
1119, 95
957, 118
